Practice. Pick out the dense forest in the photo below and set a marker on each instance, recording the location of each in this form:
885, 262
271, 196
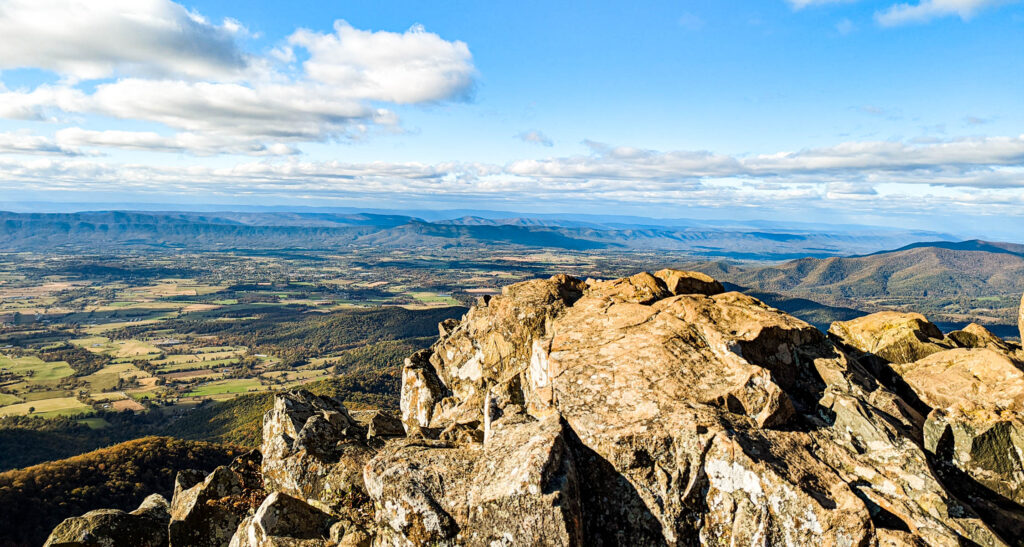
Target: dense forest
28, 440
37, 498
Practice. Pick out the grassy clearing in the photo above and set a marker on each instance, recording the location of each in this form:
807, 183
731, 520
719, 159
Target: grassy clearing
225, 387
198, 364
134, 348
48, 408
95, 423
8, 399
35, 370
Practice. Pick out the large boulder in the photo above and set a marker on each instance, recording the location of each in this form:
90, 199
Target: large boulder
143, 527
283, 521
893, 336
686, 282
978, 399
206, 512
519, 487
977, 336
314, 450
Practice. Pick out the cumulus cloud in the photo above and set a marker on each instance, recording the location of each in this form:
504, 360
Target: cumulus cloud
172, 67
86, 39
413, 67
535, 137
926, 10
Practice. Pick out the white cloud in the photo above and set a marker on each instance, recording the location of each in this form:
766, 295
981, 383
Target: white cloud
88, 39
535, 137
926, 10
413, 67
172, 68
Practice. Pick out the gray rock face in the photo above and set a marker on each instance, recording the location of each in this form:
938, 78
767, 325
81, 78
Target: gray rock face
282, 520
143, 527
1020, 320
314, 450
207, 513
519, 487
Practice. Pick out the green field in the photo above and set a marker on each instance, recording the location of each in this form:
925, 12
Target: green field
226, 386
7, 399
48, 408
34, 369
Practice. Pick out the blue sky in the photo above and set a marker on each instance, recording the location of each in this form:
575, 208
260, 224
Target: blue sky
878, 112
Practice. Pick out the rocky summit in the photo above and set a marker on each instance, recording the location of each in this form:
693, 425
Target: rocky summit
656, 409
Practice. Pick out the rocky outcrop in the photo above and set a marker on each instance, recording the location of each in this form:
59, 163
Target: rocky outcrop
649, 410
206, 511
314, 450
1020, 320
143, 527
698, 416
283, 521
892, 336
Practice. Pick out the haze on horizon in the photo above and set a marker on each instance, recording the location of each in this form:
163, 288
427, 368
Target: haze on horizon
841, 111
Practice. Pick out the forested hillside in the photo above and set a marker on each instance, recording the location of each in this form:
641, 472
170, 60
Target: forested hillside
37, 498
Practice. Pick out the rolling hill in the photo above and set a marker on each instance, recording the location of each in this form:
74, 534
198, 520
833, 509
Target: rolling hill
951, 282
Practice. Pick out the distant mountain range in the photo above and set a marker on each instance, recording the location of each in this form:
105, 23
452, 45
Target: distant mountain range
310, 230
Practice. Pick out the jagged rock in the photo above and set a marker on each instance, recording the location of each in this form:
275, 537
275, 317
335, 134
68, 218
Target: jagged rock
1020, 320
518, 488
978, 397
685, 282
422, 392
143, 527
314, 450
283, 521
207, 513
488, 349
892, 336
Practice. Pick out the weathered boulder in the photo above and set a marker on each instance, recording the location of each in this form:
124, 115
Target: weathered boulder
893, 336
686, 282
314, 450
283, 521
517, 488
977, 336
207, 513
978, 397
143, 527
642, 288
